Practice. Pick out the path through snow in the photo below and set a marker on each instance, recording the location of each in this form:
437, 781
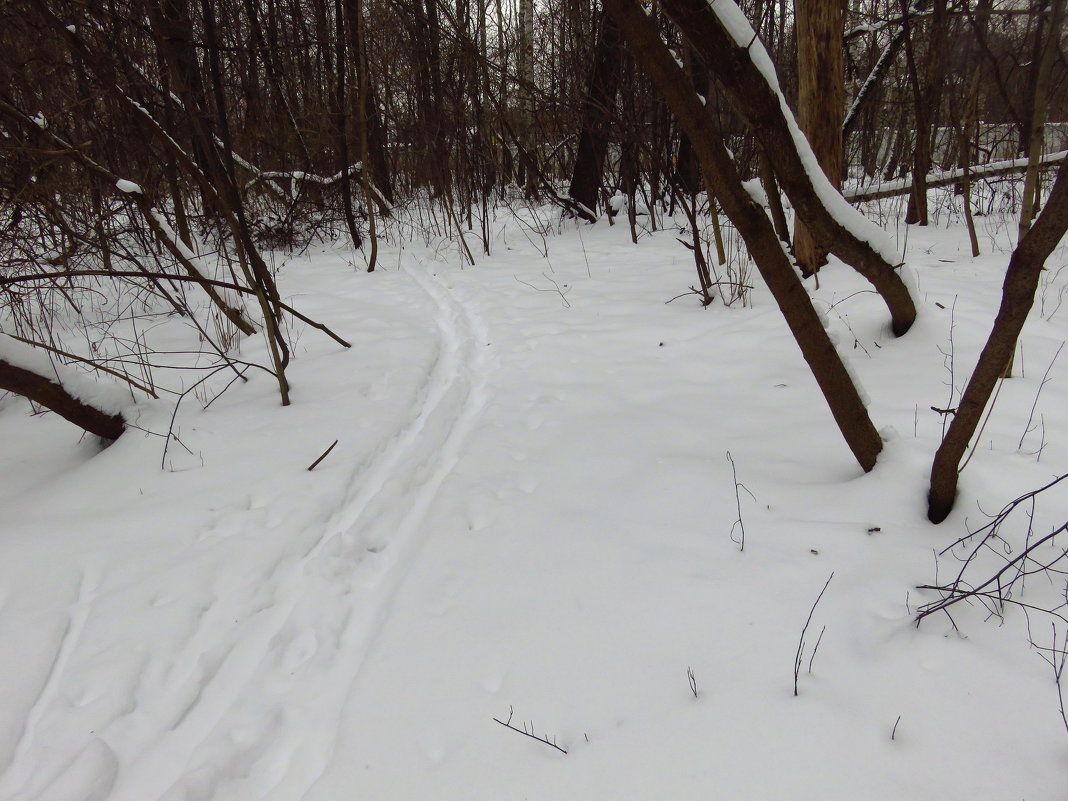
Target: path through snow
529, 508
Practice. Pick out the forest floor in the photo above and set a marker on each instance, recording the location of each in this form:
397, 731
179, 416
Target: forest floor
535, 516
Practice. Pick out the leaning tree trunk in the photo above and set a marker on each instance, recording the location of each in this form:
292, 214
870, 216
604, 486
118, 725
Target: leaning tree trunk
756, 230
54, 396
1017, 297
820, 105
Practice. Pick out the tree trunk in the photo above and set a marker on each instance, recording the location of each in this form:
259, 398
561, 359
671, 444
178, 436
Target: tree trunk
926, 97
525, 68
53, 396
593, 139
1038, 118
1017, 297
341, 115
820, 105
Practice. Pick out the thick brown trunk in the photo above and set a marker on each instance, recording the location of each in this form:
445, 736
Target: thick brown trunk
755, 228
820, 105
1017, 297
53, 396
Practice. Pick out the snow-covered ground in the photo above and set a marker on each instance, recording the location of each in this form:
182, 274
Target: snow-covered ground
530, 515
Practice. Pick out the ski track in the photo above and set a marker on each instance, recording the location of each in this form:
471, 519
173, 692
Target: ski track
323, 613
72, 635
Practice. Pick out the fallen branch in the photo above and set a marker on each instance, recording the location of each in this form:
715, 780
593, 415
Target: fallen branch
325, 453
903, 186
996, 591
544, 739
53, 395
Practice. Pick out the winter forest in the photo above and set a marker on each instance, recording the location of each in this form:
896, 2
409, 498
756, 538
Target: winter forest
499, 399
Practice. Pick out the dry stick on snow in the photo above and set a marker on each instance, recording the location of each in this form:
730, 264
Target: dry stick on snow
738, 524
1057, 660
804, 630
692, 679
556, 289
324, 454
543, 739
174, 413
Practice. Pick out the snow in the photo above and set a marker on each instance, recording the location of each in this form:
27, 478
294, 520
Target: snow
129, 187
530, 508
756, 191
107, 394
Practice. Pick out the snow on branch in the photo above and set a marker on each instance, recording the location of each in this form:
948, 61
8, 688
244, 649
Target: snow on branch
34, 358
737, 26
93, 406
300, 176
902, 186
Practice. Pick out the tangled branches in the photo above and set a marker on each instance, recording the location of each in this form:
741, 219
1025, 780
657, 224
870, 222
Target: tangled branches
1043, 556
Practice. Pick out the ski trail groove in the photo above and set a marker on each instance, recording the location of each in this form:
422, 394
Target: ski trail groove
461, 373
72, 635
378, 530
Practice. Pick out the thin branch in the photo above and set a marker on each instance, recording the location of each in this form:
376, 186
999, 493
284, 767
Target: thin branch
804, 630
544, 740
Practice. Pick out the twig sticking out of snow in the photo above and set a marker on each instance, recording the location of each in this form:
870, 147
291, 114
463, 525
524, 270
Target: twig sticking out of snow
1045, 380
556, 288
997, 590
529, 732
322, 456
739, 525
801, 641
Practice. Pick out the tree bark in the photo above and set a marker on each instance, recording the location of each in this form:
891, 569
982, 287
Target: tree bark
1017, 297
593, 140
927, 99
1036, 134
820, 105
53, 396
